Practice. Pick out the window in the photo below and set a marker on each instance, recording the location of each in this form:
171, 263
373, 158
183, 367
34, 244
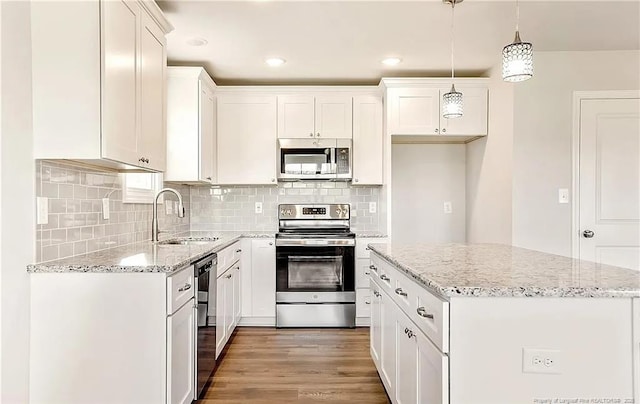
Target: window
140, 187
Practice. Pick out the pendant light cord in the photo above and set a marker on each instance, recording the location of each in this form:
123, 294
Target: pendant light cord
453, 6
517, 15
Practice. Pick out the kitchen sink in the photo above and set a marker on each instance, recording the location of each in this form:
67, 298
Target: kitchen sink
189, 241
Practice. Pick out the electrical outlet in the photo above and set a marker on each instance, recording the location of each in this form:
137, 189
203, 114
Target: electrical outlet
541, 361
563, 195
258, 207
373, 207
42, 210
448, 207
105, 208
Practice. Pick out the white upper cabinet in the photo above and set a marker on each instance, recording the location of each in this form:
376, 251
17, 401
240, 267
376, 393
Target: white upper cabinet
246, 139
414, 110
308, 116
367, 140
99, 83
191, 126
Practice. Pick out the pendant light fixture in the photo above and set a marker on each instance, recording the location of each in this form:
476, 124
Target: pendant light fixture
517, 57
452, 101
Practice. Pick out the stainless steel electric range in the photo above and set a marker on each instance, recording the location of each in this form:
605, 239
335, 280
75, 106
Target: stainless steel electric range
315, 267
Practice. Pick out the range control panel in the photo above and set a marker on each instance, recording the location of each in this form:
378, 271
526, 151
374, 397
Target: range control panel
331, 211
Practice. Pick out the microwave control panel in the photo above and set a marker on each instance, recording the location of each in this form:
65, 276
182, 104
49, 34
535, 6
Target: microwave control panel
342, 160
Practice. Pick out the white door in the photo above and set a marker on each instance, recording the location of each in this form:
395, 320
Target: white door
334, 117
263, 278
229, 309
367, 141
388, 333
180, 356
246, 134
375, 330
119, 76
414, 111
207, 128
609, 204
221, 329
432, 372
474, 117
295, 116
237, 301
406, 360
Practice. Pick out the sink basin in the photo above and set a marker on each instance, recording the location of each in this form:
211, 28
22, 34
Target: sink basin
188, 241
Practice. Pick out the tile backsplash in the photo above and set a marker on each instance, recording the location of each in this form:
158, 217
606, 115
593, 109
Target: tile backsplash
233, 207
76, 225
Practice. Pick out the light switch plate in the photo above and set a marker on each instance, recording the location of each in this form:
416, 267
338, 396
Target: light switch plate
448, 208
563, 195
42, 208
258, 207
373, 207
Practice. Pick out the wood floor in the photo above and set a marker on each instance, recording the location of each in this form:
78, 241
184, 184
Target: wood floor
268, 365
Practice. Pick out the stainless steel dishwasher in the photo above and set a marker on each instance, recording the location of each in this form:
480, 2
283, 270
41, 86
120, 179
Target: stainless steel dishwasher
205, 360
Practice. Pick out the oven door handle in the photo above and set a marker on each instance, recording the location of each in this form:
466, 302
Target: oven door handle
294, 242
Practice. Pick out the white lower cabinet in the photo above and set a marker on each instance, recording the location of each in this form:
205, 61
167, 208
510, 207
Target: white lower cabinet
228, 294
376, 325
259, 283
388, 352
180, 355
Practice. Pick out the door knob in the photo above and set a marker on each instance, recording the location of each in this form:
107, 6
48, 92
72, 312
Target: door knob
588, 234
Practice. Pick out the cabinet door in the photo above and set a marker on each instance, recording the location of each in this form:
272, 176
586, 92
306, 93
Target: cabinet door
334, 117
180, 355
376, 326
229, 309
414, 111
263, 277
153, 61
367, 140
119, 77
207, 133
432, 372
295, 116
474, 117
221, 329
406, 360
388, 333
246, 148
237, 301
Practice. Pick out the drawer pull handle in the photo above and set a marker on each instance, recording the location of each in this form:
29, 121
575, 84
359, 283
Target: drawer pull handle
385, 278
186, 286
238, 250
366, 302
228, 276
367, 248
373, 267
422, 312
401, 292
367, 273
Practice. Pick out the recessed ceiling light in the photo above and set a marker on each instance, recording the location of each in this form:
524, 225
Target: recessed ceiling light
275, 62
391, 61
197, 42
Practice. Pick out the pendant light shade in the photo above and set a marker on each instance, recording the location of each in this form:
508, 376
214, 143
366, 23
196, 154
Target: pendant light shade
517, 57
452, 103
452, 106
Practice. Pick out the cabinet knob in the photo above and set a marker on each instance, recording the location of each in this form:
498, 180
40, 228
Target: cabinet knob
366, 302
270, 243
367, 273
238, 250
422, 312
146, 161
437, 130
355, 180
228, 276
367, 248
317, 134
273, 180
310, 134
444, 130
588, 234
209, 178
141, 159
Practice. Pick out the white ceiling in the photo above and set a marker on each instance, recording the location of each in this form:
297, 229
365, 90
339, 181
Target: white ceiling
340, 42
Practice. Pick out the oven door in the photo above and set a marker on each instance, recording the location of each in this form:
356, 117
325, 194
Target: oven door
315, 274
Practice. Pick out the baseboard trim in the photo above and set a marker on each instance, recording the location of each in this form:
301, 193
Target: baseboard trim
363, 322
257, 322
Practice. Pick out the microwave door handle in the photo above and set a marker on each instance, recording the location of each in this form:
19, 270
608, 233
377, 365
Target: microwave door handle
334, 161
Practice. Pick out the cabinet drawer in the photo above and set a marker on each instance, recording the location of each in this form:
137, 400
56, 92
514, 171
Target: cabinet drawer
363, 302
362, 273
180, 288
227, 257
362, 251
384, 273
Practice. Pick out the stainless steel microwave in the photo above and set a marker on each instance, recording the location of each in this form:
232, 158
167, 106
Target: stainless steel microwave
314, 159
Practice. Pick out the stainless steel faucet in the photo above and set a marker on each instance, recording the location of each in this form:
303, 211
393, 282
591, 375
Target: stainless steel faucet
154, 221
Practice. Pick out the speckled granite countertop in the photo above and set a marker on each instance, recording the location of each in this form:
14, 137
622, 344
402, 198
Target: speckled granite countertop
494, 270
145, 256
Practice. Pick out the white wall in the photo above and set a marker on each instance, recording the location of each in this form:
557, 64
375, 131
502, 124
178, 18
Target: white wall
17, 200
424, 176
489, 168
542, 139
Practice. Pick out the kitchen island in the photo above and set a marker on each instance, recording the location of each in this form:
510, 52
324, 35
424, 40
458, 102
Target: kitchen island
490, 323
